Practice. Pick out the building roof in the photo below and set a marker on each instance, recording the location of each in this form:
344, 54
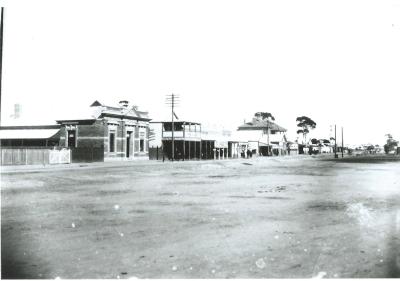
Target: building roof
98, 110
261, 125
96, 103
28, 132
132, 112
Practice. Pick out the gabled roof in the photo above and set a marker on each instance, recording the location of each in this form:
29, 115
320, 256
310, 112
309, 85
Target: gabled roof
261, 125
96, 103
123, 112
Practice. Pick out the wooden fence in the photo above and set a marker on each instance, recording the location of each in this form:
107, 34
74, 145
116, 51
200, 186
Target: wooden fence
34, 156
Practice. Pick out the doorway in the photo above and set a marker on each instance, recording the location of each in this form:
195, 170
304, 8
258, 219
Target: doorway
128, 144
71, 135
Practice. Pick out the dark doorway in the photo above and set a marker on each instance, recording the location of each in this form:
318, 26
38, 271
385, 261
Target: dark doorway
128, 143
71, 138
141, 145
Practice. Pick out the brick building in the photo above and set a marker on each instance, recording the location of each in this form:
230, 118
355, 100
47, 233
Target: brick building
119, 133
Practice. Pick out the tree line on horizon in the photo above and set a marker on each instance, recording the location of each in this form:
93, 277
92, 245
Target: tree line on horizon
306, 124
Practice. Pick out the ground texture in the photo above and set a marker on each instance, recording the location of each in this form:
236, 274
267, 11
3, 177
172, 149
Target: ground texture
259, 218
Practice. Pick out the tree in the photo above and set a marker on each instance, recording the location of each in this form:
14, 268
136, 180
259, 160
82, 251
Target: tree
306, 124
265, 116
325, 141
371, 149
391, 144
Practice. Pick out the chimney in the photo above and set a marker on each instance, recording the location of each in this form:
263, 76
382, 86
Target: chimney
124, 104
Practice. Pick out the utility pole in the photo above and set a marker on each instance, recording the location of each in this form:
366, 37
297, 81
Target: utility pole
172, 100
336, 156
342, 143
1, 54
268, 150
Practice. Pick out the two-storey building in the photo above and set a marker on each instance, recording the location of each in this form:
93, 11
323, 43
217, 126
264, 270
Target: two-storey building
264, 137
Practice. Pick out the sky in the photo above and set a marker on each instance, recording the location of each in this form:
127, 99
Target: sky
337, 62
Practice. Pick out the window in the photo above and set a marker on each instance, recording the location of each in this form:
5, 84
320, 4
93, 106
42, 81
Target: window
112, 142
141, 145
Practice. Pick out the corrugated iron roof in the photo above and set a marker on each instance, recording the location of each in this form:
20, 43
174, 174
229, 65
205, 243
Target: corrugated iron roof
28, 133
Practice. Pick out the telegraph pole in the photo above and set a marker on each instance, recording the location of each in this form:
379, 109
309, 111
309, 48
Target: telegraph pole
172, 100
173, 127
1, 54
336, 156
342, 143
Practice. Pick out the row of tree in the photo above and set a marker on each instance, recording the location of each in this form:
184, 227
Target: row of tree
306, 124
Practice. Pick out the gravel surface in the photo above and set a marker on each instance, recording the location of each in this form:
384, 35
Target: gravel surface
278, 217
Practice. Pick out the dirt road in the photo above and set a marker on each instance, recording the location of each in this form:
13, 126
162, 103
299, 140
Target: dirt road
258, 218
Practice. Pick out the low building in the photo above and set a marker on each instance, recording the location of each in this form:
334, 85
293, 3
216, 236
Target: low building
225, 144
30, 136
100, 133
293, 148
118, 132
32, 145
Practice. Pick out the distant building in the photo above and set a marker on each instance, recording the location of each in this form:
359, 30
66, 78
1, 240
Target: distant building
292, 147
226, 145
264, 137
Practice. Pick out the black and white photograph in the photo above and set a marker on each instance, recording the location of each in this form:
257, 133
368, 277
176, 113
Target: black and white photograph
188, 139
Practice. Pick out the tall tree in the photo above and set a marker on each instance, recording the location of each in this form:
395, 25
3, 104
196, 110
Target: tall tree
306, 124
391, 144
265, 116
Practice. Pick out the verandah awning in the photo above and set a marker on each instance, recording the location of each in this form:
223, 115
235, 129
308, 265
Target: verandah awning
28, 133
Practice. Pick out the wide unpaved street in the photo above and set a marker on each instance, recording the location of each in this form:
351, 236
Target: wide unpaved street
245, 218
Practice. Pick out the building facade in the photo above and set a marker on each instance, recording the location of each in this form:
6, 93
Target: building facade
120, 133
191, 141
265, 138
